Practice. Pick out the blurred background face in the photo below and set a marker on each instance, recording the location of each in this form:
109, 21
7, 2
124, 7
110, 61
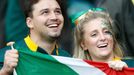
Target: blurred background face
97, 39
47, 20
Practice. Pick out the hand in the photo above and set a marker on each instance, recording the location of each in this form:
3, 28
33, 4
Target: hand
117, 65
10, 61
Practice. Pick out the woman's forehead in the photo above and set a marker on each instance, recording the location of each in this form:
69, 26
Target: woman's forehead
97, 23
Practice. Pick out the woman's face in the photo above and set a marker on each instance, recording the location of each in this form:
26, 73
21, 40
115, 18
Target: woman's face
97, 39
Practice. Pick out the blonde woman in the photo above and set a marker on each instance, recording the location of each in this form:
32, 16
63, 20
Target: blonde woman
95, 39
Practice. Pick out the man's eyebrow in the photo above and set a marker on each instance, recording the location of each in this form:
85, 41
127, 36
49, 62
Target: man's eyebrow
58, 8
44, 10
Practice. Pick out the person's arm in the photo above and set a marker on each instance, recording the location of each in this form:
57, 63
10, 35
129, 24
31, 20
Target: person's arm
10, 62
2, 72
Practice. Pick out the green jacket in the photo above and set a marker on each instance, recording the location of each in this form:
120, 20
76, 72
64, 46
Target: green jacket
28, 44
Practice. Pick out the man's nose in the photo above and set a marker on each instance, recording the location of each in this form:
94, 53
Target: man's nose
53, 15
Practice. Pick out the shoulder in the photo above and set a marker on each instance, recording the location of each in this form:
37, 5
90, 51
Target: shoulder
63, 52
20, 43
129, 61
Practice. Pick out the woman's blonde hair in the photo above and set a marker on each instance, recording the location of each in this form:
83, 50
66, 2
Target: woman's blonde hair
79, 31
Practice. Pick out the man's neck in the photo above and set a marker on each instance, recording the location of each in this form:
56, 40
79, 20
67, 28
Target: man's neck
47, 45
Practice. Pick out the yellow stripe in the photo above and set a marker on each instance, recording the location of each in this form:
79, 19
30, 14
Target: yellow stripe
57, 52
31, 45
116, 58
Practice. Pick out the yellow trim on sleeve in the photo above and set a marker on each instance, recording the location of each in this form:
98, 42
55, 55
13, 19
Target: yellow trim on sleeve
31, 45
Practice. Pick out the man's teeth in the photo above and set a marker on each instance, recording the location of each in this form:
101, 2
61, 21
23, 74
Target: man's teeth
53, 25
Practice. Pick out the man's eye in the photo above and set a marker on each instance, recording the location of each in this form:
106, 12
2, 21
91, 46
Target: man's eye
44, 12
58, 12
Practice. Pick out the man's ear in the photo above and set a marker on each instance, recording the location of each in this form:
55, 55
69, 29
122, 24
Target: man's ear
83, 45
29, 22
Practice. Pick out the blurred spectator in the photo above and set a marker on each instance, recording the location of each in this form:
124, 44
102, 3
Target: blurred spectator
12, 22
15, 25
3, 4
75, 6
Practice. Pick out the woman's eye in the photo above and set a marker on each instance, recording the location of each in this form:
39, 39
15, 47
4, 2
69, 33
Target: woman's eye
108, 32
93, 35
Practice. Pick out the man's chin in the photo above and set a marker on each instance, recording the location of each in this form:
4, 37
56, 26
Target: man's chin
55, 36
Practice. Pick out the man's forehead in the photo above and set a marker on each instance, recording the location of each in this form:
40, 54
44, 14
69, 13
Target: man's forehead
47, 3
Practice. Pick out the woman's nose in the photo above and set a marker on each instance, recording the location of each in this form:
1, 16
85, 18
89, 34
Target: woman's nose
102, 37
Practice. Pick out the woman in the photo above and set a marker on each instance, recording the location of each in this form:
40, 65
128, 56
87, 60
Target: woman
95, 39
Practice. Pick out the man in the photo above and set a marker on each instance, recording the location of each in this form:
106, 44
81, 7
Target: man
45, 22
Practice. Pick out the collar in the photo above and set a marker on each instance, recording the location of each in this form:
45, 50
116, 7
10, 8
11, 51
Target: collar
34, 47
31, 45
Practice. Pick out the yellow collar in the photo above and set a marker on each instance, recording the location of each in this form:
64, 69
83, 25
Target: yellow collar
31, 45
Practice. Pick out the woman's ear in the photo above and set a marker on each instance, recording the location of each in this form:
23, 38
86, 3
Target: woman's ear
83, 46
29, 22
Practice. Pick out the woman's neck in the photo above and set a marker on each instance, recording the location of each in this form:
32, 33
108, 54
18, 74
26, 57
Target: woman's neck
103, 59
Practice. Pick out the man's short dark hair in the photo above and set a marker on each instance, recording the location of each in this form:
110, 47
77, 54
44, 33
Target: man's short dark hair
27, 6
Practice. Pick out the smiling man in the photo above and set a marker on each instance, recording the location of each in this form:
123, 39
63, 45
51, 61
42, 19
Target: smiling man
45, 22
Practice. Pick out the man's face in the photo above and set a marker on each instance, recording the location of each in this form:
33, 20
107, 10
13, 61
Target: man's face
47, 20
